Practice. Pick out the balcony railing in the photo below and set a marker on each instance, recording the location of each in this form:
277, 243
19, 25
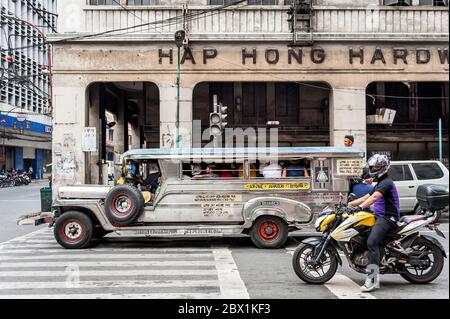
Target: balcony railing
267, 22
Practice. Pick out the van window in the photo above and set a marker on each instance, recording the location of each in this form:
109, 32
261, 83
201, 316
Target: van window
427, 171
400, 173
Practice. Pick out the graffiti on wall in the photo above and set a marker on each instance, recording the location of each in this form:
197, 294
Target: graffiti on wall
66, 161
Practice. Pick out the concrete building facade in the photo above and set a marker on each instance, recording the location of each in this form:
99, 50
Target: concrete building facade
25, 113
330, 74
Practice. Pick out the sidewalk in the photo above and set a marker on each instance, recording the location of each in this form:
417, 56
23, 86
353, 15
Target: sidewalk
39, 182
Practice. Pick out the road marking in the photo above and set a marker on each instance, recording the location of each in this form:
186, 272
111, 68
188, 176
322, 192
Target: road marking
108, 284
143, 250
342, 286
39, 231
231, 284
22, 200
116, 296
153, 255
38, 241
102, 273
123, 263
345, 288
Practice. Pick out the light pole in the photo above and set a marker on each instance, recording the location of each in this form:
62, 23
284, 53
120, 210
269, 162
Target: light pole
180, 36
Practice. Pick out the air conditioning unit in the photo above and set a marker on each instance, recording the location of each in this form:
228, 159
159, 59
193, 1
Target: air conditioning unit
382, 116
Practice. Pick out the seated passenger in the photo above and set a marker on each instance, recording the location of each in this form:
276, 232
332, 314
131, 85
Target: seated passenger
272, 170
209, 173
225, 172
295, 168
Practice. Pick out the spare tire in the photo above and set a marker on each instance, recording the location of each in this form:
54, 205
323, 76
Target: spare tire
123, 204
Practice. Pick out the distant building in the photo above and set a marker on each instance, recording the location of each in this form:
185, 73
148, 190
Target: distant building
25, 124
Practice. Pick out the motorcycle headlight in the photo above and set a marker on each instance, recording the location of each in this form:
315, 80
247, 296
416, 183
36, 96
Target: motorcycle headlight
319, 221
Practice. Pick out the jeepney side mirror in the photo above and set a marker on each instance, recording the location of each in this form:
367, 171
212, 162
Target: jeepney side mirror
351, 197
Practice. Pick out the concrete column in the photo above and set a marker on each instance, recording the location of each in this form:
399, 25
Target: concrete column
69, 119
93, 121
348, 115
119, 135
168, 115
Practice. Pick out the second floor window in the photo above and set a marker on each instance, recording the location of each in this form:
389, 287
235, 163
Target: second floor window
410, 2
250, 2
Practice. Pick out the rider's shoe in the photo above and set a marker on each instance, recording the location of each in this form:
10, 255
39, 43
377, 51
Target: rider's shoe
373, 279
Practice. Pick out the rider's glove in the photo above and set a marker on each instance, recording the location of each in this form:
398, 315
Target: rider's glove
356, 209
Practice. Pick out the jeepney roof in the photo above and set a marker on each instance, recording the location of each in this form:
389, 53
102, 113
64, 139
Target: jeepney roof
240, 152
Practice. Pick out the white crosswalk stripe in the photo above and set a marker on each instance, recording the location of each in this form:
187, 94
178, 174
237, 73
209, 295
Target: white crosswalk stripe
34, 266
340, 285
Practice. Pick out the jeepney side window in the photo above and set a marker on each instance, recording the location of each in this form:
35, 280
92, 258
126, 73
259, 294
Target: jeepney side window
296, 168
197, 171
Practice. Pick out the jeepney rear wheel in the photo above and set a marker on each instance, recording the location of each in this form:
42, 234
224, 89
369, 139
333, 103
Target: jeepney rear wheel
269, 232
123, 204
73, 230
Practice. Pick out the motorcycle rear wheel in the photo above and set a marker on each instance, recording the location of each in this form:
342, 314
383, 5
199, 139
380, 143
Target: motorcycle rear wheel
302, 256
436, 264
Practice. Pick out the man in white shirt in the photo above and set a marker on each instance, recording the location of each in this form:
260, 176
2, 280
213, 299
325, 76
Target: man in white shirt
272, 170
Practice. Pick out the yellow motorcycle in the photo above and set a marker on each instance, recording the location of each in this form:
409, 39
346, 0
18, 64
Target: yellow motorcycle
416, 257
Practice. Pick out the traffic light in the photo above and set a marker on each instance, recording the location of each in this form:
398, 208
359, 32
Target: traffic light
180, 38
217, 120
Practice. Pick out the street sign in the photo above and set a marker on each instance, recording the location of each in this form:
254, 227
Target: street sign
89, 139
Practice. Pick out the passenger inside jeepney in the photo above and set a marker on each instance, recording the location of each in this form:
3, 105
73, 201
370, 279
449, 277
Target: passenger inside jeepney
146, 176
209, 172
296, 168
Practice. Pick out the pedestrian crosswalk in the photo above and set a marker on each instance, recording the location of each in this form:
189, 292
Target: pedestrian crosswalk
34, 266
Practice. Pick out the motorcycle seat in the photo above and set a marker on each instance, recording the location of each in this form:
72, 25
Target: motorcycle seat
411, 218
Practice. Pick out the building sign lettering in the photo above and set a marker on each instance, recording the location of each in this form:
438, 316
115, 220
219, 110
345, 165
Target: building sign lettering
317, 55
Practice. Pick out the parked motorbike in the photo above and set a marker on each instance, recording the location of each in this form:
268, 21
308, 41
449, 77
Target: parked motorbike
416, 257
4, 181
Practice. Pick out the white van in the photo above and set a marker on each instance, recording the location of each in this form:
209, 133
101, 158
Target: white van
409, 175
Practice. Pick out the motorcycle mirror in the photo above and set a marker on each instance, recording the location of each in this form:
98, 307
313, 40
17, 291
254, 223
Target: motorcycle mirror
351, 197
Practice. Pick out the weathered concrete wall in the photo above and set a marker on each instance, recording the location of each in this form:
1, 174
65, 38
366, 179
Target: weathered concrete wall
78, 65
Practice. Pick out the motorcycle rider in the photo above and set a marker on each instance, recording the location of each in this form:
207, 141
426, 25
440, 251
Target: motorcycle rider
386, 208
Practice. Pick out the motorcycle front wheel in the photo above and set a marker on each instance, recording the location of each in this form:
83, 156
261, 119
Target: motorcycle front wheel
318, 274
434, 262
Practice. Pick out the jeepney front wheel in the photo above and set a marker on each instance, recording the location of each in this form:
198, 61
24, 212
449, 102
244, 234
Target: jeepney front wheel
73, 230
269, 232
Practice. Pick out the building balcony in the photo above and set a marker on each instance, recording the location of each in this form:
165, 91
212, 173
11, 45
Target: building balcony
260, 23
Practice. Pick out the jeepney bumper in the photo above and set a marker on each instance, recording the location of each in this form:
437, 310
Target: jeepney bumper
37, 219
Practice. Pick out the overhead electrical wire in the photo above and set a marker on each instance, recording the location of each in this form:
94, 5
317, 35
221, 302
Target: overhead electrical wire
353, 91
87, 36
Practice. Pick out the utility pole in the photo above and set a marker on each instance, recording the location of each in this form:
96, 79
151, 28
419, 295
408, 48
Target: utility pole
179, 40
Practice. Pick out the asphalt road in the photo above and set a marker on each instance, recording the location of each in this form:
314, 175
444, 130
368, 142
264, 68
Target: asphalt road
35, 266
15, 202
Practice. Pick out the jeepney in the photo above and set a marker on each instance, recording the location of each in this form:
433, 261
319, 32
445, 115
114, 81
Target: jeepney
242, 201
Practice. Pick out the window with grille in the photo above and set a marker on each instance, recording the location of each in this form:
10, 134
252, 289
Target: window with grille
129, 2
221, 2
397, 2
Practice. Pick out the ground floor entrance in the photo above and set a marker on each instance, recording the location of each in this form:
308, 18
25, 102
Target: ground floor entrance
413, 131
